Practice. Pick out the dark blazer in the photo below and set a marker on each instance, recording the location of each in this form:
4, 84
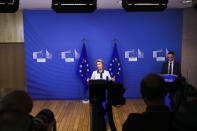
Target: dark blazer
156, 118
176, 68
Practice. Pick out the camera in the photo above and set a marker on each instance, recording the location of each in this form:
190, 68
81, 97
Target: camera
183, 104
44, 120
115, 94
180, 91
17, 119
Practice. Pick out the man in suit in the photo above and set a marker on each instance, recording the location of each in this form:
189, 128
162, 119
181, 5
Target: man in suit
157, 115
171, 66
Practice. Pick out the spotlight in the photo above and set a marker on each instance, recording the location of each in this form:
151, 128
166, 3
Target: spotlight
74, 6
144, 5
9, 6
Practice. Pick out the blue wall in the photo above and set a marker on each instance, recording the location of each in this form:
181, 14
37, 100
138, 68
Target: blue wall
56, 33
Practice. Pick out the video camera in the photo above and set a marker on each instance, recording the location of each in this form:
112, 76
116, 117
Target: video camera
180, 91
44, 119
183, 103
16, 119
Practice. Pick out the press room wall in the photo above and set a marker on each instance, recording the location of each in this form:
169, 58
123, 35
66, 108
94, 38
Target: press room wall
189, 45
12, 53
9, 34
56, 33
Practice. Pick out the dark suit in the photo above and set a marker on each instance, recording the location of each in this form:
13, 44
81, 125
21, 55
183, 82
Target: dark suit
156, 118
176, 68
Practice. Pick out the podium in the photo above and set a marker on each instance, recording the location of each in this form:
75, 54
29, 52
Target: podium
97, 90
169, 79
97, 93
104, 91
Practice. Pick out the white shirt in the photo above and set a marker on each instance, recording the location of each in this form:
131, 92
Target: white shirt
169, 67
96, 75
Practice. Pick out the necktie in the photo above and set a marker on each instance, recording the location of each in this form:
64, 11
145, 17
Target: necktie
170, 69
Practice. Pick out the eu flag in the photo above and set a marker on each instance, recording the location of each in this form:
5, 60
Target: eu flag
83, 67
115, 66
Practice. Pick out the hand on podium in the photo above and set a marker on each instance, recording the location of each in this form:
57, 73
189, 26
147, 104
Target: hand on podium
88, 80
113, 79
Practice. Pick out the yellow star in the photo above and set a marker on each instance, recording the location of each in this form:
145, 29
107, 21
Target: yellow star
82, 75
87, 65
112, 60
110, 69
80, 71
111, 73
87, 70
118, 73
80, 65
110, 64
119, 69
116, 59
118, 64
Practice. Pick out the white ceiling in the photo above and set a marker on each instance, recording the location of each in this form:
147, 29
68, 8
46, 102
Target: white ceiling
101, 4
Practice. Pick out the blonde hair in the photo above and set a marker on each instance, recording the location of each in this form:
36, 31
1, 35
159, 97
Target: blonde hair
100, 60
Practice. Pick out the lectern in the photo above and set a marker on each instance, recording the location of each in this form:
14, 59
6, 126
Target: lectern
102, 91
169, 79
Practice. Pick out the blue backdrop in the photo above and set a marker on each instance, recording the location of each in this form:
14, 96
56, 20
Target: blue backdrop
53, 43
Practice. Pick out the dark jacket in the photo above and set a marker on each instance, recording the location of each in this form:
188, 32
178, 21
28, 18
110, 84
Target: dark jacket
176, 68
156, 118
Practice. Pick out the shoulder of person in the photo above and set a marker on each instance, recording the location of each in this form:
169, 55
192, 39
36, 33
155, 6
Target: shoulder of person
176, 62
94, 72
106, 71
134, 116
165, 63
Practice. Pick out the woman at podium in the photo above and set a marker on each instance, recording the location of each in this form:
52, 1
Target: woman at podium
97, 111
100, 73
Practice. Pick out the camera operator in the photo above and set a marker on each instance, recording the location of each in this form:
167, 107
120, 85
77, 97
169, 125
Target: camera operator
183, 105
19, 103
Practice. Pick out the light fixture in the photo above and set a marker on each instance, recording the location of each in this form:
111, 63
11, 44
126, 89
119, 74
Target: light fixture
186, 1
144, 5
9, 6
74, 6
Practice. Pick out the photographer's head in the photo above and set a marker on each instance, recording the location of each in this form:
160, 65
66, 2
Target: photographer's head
153, 90
17, 100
